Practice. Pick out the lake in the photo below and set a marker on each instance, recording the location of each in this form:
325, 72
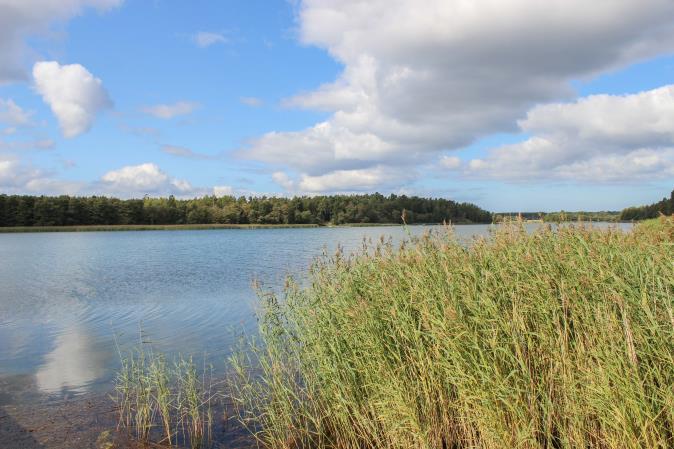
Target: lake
69, 300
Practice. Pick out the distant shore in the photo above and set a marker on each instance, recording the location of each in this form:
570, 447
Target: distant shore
184, 227
188, 227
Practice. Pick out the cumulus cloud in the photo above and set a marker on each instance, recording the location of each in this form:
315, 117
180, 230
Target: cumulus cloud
421, 77
206, 38
320, 149
148, 178
168, 111
74, 95
596, 138
283, 180
20, 19
355, 180
346, 181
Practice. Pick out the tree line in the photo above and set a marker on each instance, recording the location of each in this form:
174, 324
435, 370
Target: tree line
665, 206
64, 210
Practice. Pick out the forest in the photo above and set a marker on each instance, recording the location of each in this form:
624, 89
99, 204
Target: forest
665, 207
24, 210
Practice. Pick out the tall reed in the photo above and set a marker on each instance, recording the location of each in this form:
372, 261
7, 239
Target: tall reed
563, 338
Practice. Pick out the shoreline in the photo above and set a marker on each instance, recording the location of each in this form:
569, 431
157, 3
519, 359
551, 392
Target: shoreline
122, 228
208, 227
195, 227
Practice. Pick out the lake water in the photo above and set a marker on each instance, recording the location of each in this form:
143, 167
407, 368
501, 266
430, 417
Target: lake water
68, 300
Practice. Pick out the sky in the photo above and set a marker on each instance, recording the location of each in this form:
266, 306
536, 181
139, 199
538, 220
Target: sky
516, 106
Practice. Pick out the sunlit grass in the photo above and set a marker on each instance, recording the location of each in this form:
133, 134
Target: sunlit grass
557, 339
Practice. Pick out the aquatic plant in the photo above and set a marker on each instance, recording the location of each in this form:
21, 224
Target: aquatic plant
563, 338
172, 402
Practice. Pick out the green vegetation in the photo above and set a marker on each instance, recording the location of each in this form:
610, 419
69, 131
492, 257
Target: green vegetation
43, 211
663, 207
170, 401
557, 339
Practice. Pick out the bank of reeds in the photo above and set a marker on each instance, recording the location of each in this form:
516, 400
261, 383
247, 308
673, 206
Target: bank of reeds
170, 404
563, 338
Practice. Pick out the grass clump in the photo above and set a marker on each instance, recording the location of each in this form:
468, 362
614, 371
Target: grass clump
170, 404
563, 338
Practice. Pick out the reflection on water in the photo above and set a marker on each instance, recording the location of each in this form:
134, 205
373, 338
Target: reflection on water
73, 364
66, 298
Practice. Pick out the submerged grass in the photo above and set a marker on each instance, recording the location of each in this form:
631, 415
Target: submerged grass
169, 404
563, 338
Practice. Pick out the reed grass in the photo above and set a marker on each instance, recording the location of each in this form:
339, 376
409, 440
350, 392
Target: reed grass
563, 338
162, 403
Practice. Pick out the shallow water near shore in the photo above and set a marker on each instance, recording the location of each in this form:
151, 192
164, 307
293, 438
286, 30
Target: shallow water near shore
70, 301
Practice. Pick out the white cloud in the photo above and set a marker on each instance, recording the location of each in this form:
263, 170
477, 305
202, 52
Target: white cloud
12, 114
320, 149
148, 178
223, 190
283, 180
20, 19
168, 111
20, 178
638, 165
8, 169
425, 76
645, 118
596, 138
346, 180
74, 95
251, 101
206, 38
132, 181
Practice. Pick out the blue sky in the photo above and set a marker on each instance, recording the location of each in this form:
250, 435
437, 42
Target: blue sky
513, 109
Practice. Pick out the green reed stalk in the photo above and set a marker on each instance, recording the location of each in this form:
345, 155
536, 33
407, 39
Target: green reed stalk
173, 399
563, 338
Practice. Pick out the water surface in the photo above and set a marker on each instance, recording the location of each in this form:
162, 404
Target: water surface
68, 300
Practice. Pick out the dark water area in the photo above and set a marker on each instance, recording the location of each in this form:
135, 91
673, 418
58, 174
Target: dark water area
68, 301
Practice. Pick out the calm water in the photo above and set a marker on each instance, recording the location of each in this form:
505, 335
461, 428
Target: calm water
67, 300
